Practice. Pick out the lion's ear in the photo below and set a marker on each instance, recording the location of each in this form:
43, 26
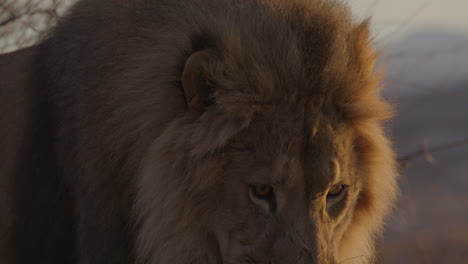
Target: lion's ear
198, 80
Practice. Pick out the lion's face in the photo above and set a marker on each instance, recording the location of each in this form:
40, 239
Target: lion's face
285, 189
278, 157
288, 190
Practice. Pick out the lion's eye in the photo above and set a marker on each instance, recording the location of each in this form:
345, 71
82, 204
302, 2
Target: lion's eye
263, 195
336, 191
262, 191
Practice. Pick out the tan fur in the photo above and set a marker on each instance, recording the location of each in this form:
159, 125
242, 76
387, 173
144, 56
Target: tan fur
161, 115
350, 113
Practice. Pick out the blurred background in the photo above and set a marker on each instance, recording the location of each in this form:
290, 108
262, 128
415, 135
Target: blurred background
424, 50
424, 46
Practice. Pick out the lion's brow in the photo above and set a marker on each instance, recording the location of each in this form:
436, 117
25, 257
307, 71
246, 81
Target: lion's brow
286, 167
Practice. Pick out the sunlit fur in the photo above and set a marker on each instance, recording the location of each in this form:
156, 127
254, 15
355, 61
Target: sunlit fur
296, 104
187, 159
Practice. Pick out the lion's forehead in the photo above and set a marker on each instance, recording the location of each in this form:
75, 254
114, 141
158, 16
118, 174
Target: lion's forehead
295, 146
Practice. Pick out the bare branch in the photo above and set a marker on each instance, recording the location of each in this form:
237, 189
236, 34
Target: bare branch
23, 22
10, 19
426, 152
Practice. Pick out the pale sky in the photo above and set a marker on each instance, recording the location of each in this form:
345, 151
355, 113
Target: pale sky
402, 16
424, 42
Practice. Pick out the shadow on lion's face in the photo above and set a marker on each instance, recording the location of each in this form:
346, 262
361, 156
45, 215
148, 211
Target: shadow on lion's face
287, 190
275, 181
270, 165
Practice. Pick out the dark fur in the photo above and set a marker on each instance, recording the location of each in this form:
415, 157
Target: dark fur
106, 85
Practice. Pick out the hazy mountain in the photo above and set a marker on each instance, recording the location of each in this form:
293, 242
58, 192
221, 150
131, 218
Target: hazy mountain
430, 224
426, 60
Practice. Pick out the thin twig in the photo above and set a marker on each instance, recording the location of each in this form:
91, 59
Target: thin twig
10, 19
426, 152
405, 23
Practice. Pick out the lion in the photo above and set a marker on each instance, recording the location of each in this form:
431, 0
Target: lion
196, 131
